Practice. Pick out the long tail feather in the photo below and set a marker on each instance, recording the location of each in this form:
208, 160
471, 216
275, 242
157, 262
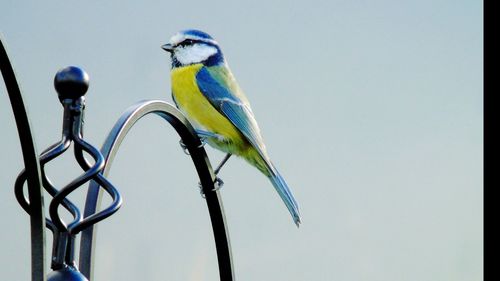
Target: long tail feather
286, 195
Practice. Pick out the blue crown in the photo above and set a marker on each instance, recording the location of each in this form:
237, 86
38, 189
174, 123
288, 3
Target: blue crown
197, 33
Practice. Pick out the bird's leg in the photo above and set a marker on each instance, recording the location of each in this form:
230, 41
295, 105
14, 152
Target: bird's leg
204, 135
218, 183
217, 170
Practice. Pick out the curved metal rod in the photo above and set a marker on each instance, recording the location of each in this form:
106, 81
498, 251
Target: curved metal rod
80, 146
73, 185
203, 167
32, 166
80, 158
50, 153
24, 202
77, 226
47, 184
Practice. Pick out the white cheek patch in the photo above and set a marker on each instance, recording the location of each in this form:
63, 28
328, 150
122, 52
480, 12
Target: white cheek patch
194, 54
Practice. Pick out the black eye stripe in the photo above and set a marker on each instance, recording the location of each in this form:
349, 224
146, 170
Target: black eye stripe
187, 42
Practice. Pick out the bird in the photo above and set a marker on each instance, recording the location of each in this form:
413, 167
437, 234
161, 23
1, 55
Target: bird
206, 92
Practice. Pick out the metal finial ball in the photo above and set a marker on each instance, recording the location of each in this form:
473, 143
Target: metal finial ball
66, 274
71, 83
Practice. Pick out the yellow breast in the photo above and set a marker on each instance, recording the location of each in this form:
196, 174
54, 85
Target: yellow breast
202, 114
197, 108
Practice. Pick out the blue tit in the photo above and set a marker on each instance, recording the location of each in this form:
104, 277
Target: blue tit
205, 90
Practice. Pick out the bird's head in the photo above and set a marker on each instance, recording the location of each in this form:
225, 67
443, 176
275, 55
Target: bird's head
192, 47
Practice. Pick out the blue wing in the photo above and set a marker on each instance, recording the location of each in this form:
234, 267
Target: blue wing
221, 90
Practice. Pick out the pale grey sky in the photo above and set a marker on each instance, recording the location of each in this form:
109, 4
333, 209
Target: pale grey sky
372, 111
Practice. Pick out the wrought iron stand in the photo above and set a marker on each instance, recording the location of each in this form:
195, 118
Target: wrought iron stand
71, 84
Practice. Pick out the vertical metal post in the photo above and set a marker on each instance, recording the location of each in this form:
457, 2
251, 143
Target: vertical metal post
32, 168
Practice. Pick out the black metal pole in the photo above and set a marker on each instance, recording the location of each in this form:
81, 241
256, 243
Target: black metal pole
32, 168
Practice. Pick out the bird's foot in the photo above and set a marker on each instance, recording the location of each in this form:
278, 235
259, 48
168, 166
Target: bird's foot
184, 147
218, 183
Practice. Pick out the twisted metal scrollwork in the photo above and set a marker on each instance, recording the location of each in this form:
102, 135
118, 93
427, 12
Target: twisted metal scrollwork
73, 101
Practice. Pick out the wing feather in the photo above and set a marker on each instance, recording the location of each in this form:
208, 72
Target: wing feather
224, 94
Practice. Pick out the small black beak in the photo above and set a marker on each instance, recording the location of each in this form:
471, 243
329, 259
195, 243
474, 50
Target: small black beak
168, 47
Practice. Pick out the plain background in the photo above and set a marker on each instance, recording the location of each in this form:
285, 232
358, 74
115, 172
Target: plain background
372, 110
